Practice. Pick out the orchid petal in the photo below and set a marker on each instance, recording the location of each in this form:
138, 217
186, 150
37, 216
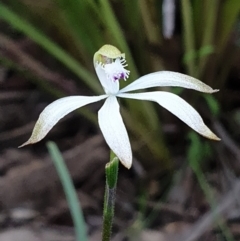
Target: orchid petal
114, 130
168, 78
109, 86
55, 111
178, 107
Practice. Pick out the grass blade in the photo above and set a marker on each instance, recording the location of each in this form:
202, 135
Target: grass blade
70, 192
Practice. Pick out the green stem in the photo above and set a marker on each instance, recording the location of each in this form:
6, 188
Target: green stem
189, 38
207, 46
111, 171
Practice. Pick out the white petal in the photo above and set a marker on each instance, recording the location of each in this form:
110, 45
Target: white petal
109, 86
168, 78
178, 107
114, 131
55, 111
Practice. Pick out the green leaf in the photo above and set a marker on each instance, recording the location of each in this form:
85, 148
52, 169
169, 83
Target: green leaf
70, 192
212, 104
228, 16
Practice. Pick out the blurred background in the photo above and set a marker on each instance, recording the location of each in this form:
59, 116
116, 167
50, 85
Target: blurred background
181, 186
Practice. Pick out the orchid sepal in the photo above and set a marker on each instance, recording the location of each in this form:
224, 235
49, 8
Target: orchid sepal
56, 111
168, 79
178, 107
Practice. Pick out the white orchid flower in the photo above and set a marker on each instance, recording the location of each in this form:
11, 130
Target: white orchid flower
110, 66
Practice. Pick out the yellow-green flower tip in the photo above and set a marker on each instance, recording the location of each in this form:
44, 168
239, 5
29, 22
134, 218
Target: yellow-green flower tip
108, 51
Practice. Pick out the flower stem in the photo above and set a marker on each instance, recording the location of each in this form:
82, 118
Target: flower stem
111, 171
